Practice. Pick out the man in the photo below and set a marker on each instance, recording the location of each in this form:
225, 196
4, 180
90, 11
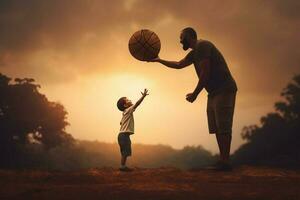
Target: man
214, 75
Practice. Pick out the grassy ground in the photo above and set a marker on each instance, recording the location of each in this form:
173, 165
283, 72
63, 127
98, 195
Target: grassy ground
244, 183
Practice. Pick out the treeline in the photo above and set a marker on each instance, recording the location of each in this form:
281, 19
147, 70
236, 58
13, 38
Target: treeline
276, 141
33, 136
91, 154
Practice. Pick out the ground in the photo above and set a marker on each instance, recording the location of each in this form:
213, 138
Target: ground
244, 183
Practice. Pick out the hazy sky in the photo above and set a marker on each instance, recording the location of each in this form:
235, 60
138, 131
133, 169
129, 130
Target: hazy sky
78, 51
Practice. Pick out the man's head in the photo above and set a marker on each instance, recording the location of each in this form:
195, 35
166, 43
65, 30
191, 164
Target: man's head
123, 103
188, 38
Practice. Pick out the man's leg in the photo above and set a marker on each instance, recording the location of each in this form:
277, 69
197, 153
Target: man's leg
224, 110
224, 143
123, 161
220, 147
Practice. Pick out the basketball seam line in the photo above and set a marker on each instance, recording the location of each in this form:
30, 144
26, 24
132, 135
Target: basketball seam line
146, 42
152, 49
139, 43
142, 44
152, 46
142, 36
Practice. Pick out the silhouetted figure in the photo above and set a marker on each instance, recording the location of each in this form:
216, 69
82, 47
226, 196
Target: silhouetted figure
127, 127
215, 77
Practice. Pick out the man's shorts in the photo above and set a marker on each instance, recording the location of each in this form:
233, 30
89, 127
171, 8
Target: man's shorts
220, 109
125, 144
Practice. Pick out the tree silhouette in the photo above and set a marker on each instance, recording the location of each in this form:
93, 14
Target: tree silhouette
290, 109
277, 140
26, 116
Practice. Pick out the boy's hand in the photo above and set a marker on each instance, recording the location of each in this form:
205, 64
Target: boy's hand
145, 93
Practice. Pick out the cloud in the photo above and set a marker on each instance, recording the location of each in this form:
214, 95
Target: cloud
260, 38
54, 39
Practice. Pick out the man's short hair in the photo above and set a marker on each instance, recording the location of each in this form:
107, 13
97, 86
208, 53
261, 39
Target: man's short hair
121, 103
190, 31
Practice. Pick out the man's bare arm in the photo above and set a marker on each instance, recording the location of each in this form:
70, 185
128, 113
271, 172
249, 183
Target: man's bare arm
203, 78
204, 75
173, 64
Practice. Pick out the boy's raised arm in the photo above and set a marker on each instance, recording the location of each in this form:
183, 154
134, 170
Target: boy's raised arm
144, 94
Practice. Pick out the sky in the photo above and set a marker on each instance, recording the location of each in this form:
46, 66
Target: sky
77, 50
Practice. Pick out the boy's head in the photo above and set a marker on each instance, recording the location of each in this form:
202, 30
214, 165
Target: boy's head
123, 103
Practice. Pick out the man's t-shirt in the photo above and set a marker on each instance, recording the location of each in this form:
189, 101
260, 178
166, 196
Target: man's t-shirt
127, 122
220, 78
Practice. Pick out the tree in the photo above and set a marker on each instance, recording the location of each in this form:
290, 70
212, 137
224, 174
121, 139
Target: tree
26, 116
277, 139
290, 109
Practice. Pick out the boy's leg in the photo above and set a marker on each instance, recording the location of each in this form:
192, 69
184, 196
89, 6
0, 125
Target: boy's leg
122, 143
125, 148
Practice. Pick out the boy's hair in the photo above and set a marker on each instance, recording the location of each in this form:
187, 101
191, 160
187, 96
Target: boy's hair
120, 103
190, 31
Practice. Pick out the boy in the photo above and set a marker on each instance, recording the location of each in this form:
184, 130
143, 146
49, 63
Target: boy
127, 127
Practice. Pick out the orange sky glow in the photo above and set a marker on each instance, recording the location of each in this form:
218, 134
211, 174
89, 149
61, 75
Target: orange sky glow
79, 54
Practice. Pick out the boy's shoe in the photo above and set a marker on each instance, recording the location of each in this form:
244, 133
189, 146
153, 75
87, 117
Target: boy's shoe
125, 169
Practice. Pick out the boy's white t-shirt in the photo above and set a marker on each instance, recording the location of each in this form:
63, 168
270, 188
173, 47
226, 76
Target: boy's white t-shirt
127, 122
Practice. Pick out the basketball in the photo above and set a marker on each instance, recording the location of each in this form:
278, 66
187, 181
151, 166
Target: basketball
144, 45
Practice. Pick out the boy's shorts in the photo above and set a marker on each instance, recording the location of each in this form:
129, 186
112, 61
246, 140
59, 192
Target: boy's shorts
220, 109
125, 144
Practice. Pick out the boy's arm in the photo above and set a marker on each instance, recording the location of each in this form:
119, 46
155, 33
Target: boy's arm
144, 94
